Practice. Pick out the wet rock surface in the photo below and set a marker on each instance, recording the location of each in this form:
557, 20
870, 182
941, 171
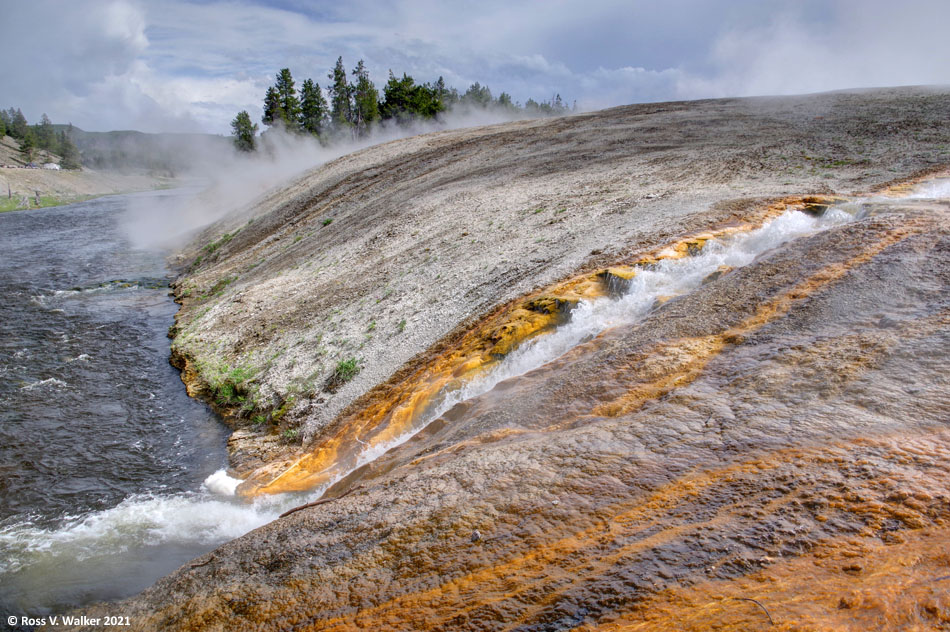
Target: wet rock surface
772, 444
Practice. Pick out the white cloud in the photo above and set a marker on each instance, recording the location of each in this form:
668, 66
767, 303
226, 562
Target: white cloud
177, 64
869, 44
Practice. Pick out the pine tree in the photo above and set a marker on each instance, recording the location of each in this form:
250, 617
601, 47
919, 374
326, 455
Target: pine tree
68, 150
272, 110
6, 121
243, 131
287, 96
18, 124
45, 134
504, 100
3, 125
365, 98
313, 108
397, 97
447, 97
403, 100
477, 94
341, 92
28, 145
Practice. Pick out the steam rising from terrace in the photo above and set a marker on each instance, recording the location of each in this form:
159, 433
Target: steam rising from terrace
227, 180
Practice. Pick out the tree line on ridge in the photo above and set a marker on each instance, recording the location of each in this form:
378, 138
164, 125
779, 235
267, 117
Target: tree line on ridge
351, 107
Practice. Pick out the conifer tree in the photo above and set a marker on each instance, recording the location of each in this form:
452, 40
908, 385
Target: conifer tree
243, 131
18, 124
477, 94
45, 134
272, 111
287, 96
397, 97
341, 92
28, 145
365, 99
403, 100
313, 108
68, 150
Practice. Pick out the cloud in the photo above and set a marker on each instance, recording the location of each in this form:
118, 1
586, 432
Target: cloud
863, 44
166, 65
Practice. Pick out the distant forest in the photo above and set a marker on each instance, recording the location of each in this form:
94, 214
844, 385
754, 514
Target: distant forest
43, 135
352, 107
125, 150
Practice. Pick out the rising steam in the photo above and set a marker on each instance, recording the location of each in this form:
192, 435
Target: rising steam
221, 180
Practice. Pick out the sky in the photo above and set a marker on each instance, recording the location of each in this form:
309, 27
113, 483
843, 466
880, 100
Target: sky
178, 65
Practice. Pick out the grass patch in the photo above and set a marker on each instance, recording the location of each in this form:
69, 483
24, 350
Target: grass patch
218, 288
212, 247
345, 371
328, 221
16, 202
230, 386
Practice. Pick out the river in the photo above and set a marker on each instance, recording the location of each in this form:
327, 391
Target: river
103, 456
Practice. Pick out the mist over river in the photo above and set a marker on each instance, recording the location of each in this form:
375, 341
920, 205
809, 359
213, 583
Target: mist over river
102, 454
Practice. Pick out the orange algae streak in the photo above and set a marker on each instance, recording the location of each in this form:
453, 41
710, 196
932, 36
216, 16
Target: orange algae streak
394, 410
519, 580
856, 585
678, 363
573, 556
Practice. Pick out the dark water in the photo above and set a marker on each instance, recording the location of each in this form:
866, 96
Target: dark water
96, 430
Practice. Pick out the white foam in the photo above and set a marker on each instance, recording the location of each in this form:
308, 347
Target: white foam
938, 188
51, 382
138, 521
221, 483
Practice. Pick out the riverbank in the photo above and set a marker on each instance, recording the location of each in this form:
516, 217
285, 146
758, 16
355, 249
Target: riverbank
766, 414
20, 187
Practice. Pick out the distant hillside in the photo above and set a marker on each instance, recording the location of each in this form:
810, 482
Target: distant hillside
10, 154
132, 151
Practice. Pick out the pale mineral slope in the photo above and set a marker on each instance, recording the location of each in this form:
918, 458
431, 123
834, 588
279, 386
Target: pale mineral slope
382, 253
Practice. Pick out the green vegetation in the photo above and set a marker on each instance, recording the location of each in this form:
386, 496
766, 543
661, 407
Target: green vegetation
347, 369
243, 131
212, 247
41, 136
313, 108
353, 108
17, 202
218, 288
401, 326
230, 386
328, 221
